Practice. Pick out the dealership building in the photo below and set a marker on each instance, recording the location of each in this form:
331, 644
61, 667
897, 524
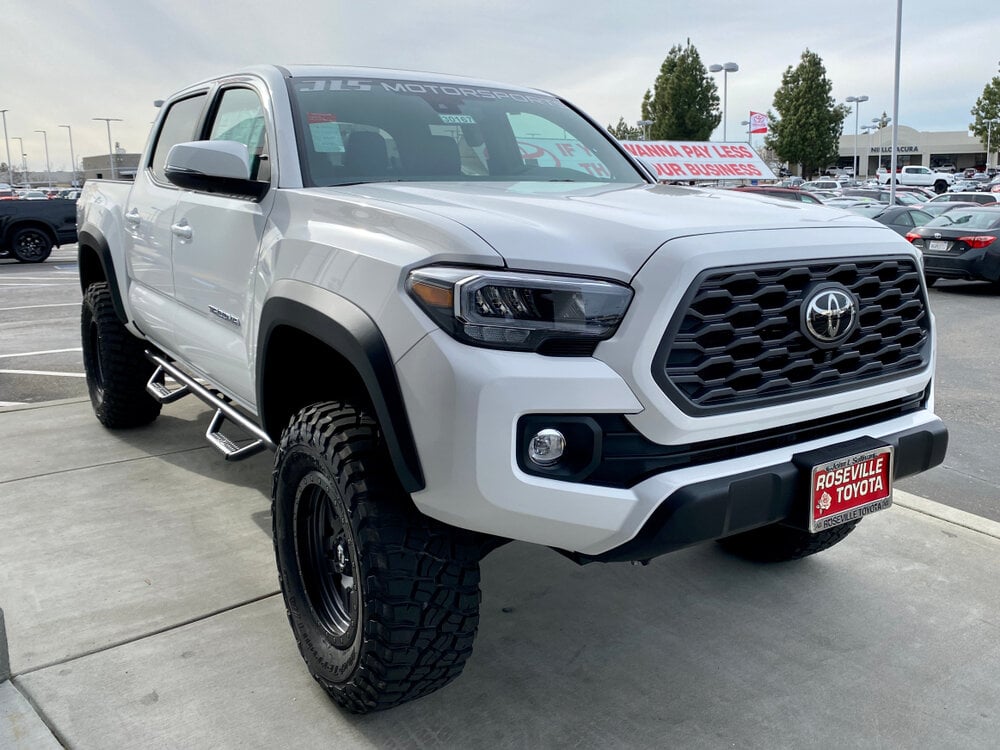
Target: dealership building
938, 150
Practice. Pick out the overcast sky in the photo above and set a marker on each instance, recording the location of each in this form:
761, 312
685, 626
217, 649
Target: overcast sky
65, 62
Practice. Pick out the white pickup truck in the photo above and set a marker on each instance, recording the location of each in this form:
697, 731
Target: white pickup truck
461, 314
916, 176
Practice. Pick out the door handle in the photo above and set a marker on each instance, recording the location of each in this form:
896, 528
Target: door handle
182, 230
132, 218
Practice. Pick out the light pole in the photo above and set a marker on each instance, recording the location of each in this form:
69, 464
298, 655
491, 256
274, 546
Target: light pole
644, 124
856, 100
111, 151
747, 123
10, 174
24, 163
880, 125
726, 68
868, 130
989, 135
48, 170
72, 156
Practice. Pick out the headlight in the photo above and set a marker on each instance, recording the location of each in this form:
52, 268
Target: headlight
526, 312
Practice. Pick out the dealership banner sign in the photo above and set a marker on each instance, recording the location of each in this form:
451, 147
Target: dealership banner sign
700, 160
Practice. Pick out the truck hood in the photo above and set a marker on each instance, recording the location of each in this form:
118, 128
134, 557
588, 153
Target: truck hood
592, 229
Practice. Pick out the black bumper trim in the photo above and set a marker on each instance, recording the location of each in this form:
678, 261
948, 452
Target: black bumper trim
718, 508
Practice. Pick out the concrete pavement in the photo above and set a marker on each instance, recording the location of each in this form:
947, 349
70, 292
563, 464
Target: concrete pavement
142, 610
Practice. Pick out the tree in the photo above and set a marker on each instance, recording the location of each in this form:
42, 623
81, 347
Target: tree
987, 111
625, 132
807, 130
684, 102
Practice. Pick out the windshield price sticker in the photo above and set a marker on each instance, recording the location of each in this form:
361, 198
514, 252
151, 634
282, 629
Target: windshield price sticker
850, 488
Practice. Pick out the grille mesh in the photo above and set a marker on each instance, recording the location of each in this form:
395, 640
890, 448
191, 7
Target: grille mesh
737, 341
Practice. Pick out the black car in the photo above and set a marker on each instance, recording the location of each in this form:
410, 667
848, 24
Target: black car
901, 219
960, 244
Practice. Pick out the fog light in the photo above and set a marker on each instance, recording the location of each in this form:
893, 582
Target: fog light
546, 447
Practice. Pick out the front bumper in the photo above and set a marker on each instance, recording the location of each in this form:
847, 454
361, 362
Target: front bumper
717, 508
983, 263
465, 406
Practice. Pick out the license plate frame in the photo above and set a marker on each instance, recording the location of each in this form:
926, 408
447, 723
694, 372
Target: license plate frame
850, 487
938, 246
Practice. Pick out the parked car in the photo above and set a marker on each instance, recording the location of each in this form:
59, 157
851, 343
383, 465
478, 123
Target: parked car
34, 195
850, 201
791, 182
967, 197
824, 185
903, 198
28, 231
901, 219
936, 209
960, 244
791, 194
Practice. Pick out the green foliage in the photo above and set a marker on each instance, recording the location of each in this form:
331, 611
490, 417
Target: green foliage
809, 123
987, 110
625, 132
684, 103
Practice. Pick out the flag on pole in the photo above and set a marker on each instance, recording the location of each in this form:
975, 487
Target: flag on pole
758, 122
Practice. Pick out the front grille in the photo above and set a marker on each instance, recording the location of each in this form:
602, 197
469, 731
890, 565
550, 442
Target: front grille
736, 341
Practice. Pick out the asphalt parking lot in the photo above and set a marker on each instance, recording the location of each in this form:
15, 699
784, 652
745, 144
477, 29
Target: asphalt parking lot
142, 610
40, 356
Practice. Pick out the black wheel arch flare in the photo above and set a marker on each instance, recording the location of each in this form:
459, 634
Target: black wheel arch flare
350, 333
96, 264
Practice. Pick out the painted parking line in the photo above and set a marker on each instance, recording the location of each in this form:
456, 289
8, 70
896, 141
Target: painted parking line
47, 351
43, 372
32, 307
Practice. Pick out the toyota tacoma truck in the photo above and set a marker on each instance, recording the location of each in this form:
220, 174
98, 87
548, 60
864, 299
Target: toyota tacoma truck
460, 314
917, 176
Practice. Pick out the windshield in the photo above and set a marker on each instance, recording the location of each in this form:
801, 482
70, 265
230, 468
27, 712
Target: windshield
970, 218
380, 130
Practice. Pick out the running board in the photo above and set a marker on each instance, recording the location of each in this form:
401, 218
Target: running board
223, 411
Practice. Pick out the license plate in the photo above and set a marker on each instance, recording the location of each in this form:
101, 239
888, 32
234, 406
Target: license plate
850, 487
938, 246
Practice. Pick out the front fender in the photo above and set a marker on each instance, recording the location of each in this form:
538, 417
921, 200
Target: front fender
352, 334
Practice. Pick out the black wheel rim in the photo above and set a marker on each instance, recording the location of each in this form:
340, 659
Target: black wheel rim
95, 370
326, 557
31, 246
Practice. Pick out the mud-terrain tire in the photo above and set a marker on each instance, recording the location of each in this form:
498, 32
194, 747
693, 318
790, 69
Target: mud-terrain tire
778, 543
383, 601
31, 245
116, 367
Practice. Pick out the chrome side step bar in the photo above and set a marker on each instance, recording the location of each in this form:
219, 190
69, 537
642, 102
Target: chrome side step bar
223, 410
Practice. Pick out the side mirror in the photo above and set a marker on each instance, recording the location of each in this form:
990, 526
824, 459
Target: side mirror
213, 167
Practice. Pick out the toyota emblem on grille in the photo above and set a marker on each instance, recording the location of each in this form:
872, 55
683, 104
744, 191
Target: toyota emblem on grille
830, 316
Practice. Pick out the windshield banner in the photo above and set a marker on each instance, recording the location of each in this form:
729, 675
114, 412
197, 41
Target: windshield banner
699, 160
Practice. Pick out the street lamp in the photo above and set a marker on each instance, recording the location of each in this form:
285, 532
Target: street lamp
111, 152
24, 163
868, 130
989, 144
10, 174
644, 124
726, 68
72, 156
48, 170
880, 124
856, 100
747, 123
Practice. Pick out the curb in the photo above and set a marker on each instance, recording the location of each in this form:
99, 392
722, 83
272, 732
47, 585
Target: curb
946, 513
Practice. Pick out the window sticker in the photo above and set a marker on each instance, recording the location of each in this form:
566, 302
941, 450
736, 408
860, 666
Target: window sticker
458, 119
325, 132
